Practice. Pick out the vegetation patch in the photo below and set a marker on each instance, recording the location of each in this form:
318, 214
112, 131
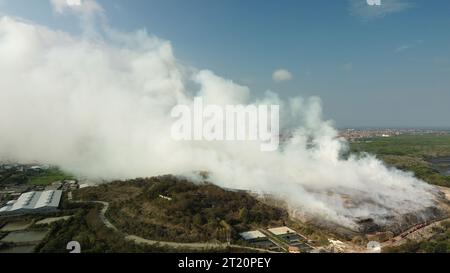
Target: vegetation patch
172, 209
411, 153
49, 176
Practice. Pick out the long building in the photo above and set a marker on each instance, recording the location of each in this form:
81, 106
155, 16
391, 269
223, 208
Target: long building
33, 202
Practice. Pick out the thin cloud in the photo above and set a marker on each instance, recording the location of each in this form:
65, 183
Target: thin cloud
405, 47
88, 12
85, 7
361, 9
347, 67
282, 75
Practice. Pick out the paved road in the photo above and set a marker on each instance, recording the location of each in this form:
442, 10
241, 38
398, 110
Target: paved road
103, 215
102, 212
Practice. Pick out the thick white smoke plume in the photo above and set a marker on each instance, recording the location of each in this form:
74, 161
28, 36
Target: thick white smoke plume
101, 108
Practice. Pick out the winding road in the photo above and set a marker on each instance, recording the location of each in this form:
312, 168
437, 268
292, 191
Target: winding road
192, 246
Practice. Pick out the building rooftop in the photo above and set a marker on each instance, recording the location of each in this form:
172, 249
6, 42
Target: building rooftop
34, 200
252, 235
282, 231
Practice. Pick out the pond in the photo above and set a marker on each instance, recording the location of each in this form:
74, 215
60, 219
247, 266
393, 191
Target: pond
24, 237
19, 249
442, 164
16, 226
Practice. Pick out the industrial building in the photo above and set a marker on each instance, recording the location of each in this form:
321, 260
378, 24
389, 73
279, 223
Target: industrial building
33, 202
287, 234
253, 235
296, 242
281, 231
258, 239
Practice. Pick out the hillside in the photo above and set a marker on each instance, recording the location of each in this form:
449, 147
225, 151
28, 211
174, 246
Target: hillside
172, 209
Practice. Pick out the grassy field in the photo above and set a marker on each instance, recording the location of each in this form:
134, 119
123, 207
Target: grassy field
42, 178
407, 145
48, 177
410, 153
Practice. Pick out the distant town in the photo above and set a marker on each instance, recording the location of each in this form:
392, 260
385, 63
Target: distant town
353, 134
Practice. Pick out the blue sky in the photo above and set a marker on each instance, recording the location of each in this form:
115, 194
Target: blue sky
383, 66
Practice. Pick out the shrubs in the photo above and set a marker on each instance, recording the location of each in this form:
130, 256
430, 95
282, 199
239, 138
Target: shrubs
194, 213
86, 228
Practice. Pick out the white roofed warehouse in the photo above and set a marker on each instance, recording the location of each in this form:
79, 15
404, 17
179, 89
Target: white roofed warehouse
282, 231
287, 234
253, 235
33, 202
258, 239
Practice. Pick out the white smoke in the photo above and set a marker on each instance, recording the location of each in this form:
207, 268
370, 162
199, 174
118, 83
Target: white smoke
101, 108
